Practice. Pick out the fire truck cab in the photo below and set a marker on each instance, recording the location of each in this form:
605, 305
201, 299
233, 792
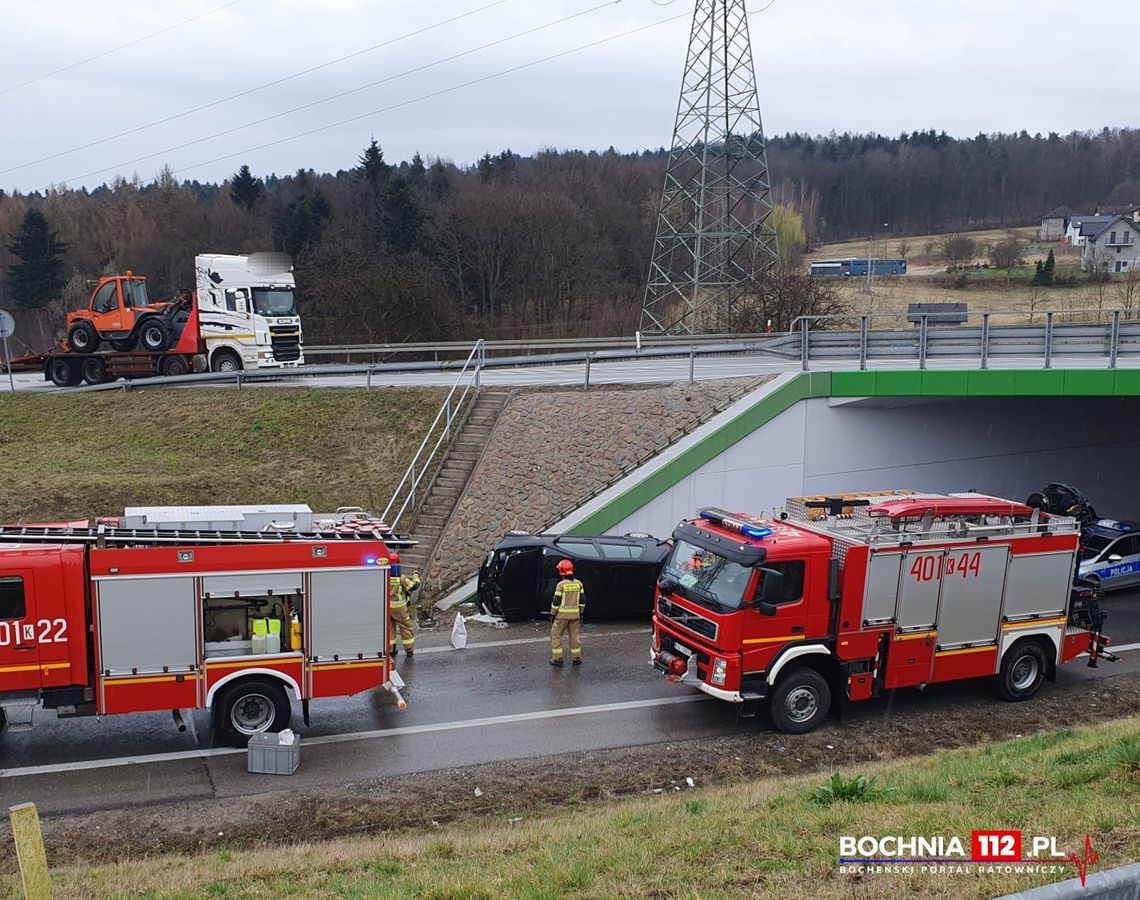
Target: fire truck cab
98, 620
845, 597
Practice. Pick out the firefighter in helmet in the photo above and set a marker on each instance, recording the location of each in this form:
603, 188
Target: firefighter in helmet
566, 612
400, 588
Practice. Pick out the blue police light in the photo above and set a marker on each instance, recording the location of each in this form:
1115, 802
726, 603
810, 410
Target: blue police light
370, 561
756, 531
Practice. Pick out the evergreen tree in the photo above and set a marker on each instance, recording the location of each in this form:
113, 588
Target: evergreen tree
402, 216
245, 190
36, 277
1038, 275
1049, 270
372, 167
417, 173
301, 223
439, 181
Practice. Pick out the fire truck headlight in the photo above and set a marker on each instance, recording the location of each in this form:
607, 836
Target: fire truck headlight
720, 671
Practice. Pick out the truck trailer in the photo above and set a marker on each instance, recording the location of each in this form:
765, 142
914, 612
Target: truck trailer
99, 619
843, 598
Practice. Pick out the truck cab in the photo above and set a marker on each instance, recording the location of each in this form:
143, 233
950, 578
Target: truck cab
248, 311
734, 597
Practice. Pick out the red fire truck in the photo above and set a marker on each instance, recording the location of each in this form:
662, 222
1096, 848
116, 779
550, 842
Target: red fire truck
97, 620
845, 597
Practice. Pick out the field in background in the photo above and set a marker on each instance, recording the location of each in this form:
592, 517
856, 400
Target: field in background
761, 838
981, 289
83, 455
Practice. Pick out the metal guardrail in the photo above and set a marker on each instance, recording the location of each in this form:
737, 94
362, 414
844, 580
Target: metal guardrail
1114, 336
468, 379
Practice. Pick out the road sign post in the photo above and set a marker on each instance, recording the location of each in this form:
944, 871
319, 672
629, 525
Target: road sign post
8, 328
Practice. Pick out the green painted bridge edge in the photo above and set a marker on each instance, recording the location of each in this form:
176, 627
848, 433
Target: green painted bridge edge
981, 383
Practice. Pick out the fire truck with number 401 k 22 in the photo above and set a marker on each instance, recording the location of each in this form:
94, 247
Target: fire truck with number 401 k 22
842, 598
96, 620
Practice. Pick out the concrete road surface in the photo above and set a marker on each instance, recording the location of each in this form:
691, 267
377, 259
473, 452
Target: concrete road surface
498, 700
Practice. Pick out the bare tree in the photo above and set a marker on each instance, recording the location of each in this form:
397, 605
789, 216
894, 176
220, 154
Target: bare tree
903, 249
1005, 253
1127, 288
957, 250
1034, 297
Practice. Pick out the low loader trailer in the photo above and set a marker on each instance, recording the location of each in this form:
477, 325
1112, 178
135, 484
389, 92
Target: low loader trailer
843, 598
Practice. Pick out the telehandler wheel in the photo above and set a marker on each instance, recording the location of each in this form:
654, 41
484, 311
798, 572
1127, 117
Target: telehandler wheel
1022, 672
94, 370
82, 337
249, 707
63, 373
801, 701
155, 335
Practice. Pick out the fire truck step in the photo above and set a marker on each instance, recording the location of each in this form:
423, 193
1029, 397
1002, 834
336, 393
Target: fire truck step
18, 713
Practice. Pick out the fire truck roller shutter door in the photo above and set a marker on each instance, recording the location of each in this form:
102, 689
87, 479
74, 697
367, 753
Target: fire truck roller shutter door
1038, 585
147, 625
882, 591
348, 616
972, 586
281, 584
920, 586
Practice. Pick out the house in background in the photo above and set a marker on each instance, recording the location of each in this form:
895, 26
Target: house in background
1081, 226
1054, 223
1112, 247
1130, 210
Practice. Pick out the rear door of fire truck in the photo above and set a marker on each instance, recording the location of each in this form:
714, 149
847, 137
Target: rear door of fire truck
19, 647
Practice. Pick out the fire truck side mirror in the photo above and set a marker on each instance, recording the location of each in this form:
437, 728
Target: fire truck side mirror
766, 609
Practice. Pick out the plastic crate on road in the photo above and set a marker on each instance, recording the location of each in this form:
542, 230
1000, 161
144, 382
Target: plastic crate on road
268, 756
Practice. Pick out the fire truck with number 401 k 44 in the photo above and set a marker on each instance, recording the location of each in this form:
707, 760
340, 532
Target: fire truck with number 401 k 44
97, 619
845, 597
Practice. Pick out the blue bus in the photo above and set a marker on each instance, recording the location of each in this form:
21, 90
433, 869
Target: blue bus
856, 267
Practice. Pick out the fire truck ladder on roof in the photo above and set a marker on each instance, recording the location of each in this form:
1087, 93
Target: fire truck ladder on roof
106, 535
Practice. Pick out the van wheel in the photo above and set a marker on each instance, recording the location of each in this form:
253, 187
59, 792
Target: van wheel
226, 361
1022, 671
155, 335
94, 370
250, 707
82, 337
801, 701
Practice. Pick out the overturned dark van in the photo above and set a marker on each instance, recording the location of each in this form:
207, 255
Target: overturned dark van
619, 574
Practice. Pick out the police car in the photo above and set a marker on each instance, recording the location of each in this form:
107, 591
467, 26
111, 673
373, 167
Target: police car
1110, 554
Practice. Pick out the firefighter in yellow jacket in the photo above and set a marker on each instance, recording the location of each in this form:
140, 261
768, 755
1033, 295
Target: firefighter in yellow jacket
566, 611
400, 588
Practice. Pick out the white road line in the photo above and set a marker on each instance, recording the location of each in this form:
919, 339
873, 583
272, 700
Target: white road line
1123, 648
356, 736
537, 640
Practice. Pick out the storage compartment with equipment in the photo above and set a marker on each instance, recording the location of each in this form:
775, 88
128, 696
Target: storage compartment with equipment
252, 615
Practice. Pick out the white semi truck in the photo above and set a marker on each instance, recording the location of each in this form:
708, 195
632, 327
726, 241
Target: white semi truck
248, 311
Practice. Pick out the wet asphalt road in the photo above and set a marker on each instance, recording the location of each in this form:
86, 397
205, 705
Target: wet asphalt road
489, 703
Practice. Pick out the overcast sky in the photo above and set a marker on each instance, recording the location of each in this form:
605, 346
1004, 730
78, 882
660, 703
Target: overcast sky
884, 65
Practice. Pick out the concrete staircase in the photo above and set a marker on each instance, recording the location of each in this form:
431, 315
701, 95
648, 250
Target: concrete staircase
446, 487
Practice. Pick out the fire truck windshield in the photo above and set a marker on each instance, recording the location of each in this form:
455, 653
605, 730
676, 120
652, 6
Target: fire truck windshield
706, 578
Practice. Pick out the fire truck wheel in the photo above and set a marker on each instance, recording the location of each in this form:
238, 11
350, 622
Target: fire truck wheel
83, 337
801, 701
250, 707
1022, 671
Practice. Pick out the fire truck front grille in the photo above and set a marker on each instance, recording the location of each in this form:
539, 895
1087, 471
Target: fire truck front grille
286, 341
687, 620
674, 646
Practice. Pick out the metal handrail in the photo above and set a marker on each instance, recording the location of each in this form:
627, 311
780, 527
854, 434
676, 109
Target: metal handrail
412, 478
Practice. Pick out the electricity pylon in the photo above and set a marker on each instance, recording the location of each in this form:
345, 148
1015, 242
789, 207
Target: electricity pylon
713, 238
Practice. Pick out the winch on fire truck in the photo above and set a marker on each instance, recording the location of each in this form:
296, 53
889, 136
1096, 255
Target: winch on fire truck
97, 619
844, 597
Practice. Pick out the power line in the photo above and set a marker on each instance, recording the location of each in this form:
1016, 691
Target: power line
432, 95
145, 37
341, 94
254, 90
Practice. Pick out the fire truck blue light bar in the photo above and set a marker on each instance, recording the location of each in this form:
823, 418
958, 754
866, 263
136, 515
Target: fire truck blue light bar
727, 520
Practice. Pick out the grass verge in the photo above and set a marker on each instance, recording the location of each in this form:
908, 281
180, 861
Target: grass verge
763, 838
82, 455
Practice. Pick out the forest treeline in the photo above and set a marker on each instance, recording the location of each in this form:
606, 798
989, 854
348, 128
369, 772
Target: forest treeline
523, 245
